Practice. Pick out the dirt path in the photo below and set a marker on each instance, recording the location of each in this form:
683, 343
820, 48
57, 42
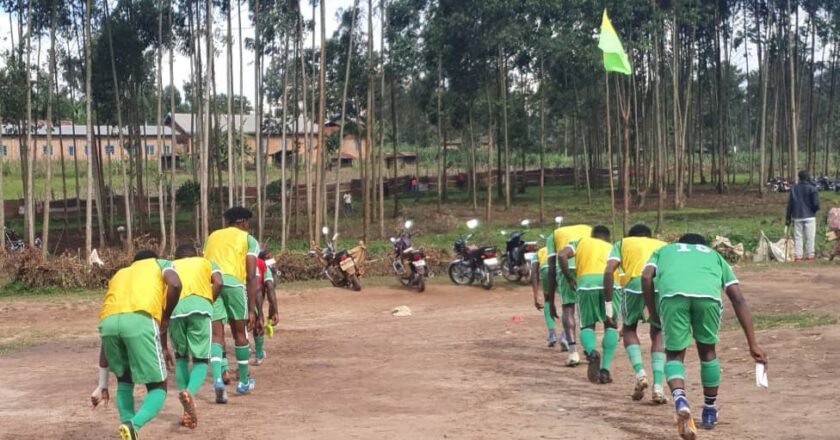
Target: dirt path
342, 367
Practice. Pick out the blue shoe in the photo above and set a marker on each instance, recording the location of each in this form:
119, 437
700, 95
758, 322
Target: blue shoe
552, 338
709, 417
685, 424
245, 388
221, 392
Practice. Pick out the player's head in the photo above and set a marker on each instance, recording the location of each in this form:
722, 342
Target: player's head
186, 250
238, 217
804, 176
601, 232
145, 254
640, 230
692, 239
265, 254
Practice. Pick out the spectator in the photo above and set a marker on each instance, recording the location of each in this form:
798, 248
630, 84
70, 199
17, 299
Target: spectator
348, 203
802, 207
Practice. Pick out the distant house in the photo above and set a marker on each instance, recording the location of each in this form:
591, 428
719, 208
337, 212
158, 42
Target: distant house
71, 141
403, 159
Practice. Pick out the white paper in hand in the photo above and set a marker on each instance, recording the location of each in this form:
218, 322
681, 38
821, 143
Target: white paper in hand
761, 376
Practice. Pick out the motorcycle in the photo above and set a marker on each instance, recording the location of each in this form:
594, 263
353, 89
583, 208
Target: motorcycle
415, 273
473, 262
518, 254
824, 183
15, 243
342, 268
778, 184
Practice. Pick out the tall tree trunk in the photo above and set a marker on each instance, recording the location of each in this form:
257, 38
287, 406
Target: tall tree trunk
489, 213
368, 124
45, 227
307, 126
721, 109
173, 154
284, 149
159, 122
243, 201
29, 195
441, 143
88, 131
542, 139
794, 116
609, 148
205, 138
762, 73
258, 150
381, 156
503, 91
343, 114
830, 120
230, 123
322, 141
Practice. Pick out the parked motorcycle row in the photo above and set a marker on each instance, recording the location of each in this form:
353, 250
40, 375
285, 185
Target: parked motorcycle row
473, 264
822, 183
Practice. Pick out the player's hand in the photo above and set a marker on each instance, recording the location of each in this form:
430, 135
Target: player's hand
274, 317
538, 305
170, 361
252, 320
100, 395
573, 284
759, 355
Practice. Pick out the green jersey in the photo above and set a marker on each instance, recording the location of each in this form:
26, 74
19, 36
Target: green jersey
690, 270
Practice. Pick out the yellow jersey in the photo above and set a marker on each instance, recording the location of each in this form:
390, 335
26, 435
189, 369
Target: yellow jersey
563, 236
591, 255
196, 276
633, 254
137, 288
228, 248
542, 256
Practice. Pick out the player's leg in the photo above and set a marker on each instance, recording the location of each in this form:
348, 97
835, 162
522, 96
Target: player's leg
198, 338
589, 316
549, 320
568, 299
705, 322
259, 334
609, 343
630, 317
657, 364
145, 355
676, 325
219, 318
236, 305
178, 338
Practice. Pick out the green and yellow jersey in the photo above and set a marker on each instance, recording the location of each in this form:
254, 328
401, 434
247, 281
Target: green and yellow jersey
228, 248
562, 236
633, 253
139, 287
591, 254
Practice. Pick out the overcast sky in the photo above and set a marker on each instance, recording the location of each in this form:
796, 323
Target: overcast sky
182, 63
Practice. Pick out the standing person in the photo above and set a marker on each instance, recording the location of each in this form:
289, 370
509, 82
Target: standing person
802, 207
265, 264
682, 284
201, 282
539, 281
631, 254
133, 324
348, 202
235, 251
556, 242
592, 254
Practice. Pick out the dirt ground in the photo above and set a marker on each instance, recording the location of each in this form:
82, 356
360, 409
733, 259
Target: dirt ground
342, 367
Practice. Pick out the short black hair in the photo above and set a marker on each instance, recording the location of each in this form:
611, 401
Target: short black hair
601, 231
145, 254
692, 238
804, 176
263, 253
238, 213
639, 230
186, 250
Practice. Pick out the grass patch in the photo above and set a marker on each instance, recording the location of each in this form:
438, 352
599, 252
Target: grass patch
767, 321
17, 344
17, 289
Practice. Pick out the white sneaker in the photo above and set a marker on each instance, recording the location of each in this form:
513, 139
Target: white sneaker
641, 386
573, 360
658, 395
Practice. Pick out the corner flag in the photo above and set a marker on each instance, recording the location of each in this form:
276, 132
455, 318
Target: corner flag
615, 59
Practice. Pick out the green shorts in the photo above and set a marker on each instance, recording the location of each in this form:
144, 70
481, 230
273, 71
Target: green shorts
131, 342
232, 303
544, 279
591, 306
684, 318
632, 308
567, 294
190, 328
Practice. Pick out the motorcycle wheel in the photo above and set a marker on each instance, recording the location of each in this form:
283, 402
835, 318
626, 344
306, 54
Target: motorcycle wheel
508, 273
486, 278
460, 274
420, 283
354, 283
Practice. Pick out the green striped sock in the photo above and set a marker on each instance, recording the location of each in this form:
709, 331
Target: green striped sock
634, 352
242, 355
657, 364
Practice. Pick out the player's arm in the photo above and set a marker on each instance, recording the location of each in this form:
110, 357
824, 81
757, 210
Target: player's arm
609, 280
742, 311
648, 274
552, 275
173, 293
563, 256
253, 287
535, 284
101, 394
217, 283
273, 313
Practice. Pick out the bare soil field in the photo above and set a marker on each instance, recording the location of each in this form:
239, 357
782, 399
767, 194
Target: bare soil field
341, 367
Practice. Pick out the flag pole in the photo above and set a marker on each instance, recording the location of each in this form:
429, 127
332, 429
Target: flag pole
609, 153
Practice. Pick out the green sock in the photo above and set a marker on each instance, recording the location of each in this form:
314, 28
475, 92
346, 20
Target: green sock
710, 373
182, 372
609, 343
225, 364
657, 364
149, 408
216, 360
125, 400
634, 352
199, 372
549, 321
242, 355
587, 339
674, 370
259, 342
